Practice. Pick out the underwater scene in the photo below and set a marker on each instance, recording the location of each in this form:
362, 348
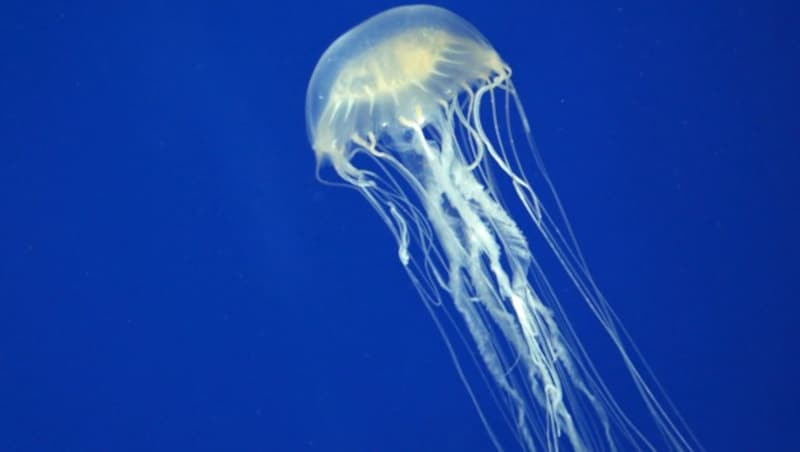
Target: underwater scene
377, 226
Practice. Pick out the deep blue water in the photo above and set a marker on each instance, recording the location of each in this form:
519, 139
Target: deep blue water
172, 276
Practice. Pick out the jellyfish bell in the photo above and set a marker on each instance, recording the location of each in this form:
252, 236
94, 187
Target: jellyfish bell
399, 66
417, 111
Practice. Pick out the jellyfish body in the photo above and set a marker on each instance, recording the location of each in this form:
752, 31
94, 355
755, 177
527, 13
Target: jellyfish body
414, 109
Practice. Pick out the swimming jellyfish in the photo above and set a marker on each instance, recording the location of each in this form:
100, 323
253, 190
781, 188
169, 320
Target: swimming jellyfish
415, 110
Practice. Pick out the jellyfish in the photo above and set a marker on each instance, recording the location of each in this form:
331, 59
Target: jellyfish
415, 109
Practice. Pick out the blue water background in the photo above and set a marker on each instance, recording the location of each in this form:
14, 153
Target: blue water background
172, 277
